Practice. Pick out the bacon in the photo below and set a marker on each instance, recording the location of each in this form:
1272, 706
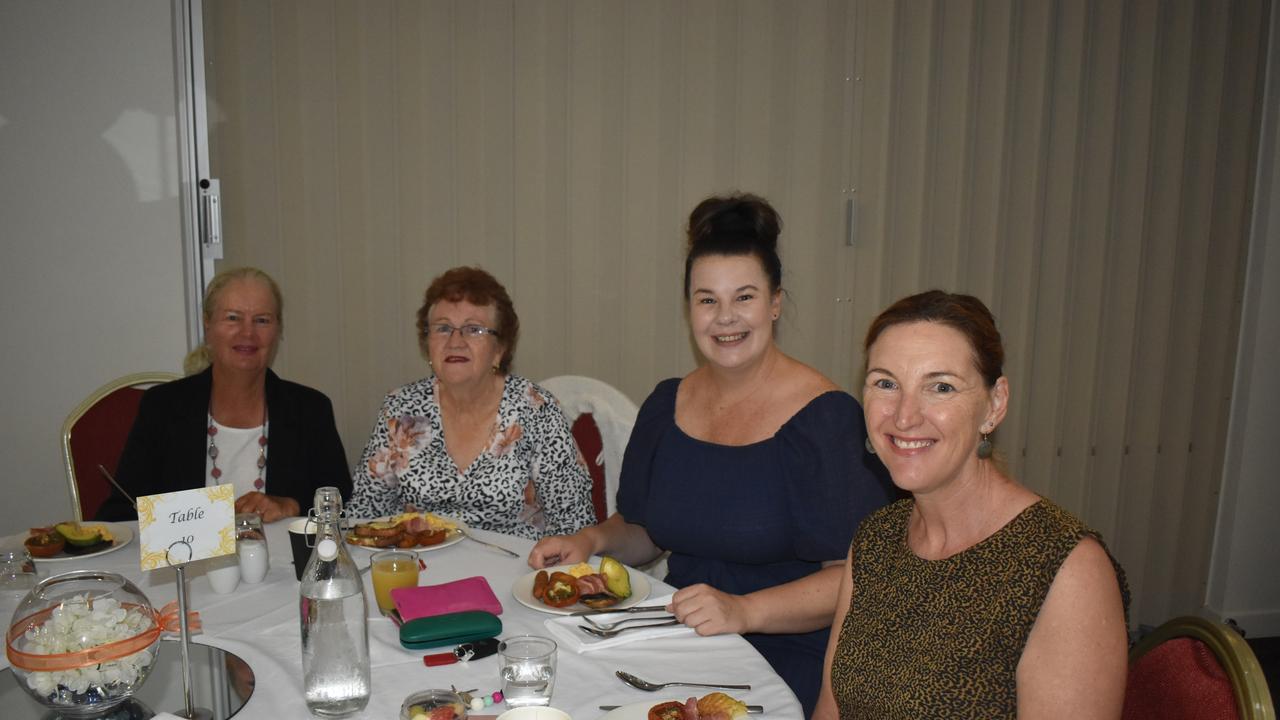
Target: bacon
691, 709
591, 584
415, 525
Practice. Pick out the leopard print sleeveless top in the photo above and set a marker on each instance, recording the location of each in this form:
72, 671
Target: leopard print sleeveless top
942, 638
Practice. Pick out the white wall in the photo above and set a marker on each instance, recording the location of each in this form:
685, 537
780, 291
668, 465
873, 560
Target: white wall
1244, 583
91, 275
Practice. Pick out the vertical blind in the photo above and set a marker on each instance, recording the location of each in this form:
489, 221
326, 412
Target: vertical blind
1084, 166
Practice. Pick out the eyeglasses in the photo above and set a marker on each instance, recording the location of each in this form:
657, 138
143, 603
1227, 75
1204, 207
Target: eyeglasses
443, 331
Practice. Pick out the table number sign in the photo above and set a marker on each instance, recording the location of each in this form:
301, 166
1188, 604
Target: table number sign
203, 518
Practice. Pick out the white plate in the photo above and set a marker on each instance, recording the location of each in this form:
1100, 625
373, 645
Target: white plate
636, 711
452, 537
122, 533
522, 589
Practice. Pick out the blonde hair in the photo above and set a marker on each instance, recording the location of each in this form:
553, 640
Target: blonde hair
199, 359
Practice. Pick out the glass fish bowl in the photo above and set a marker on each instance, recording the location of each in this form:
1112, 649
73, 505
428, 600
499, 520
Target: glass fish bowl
83, 642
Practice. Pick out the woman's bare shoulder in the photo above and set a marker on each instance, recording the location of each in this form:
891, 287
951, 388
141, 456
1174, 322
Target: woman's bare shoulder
803, 383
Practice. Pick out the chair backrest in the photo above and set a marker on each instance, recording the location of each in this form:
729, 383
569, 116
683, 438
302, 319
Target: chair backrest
587, 434
1191, 668
94, 434
601, 418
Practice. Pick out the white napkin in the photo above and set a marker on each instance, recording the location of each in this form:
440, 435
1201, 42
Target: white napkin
565, 629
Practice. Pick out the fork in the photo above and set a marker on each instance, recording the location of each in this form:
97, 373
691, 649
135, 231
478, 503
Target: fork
611, 633
611, 625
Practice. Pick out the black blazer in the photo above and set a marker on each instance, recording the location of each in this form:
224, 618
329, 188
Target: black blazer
167, 445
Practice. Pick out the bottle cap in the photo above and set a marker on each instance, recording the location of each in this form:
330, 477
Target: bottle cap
327, 549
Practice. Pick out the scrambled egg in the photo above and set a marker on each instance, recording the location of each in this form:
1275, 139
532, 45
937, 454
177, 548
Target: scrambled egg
434, 522
581, 569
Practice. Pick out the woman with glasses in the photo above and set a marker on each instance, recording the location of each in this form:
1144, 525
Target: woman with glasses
473, 441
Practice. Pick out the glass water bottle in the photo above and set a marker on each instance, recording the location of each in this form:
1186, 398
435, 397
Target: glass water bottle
334, 617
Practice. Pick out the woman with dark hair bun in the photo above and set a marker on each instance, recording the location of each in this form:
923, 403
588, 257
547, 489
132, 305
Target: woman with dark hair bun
975, 598
750, 469
473, 440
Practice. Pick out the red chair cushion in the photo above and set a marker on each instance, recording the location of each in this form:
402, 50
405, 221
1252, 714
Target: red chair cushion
98, 437
587, 435
1180, 679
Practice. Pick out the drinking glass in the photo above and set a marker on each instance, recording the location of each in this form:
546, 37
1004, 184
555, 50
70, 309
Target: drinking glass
251, 547
392, 569
527, 669
17, 577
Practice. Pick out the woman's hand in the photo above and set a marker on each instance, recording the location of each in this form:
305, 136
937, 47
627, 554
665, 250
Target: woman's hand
560, 550
709, 611
270, 507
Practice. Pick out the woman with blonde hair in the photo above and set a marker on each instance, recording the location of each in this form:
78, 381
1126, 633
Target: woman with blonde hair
232, 420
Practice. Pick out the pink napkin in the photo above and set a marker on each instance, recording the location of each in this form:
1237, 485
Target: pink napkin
471, 593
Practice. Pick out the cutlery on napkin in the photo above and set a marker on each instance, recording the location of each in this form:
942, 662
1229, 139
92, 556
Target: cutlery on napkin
565, 629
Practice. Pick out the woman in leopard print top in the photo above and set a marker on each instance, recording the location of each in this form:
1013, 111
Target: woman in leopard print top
472, 441
975, 598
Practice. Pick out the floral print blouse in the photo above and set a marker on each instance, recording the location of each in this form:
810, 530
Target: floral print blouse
405, 462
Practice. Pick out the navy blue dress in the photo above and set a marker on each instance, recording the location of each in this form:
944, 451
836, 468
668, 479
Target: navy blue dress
744, 518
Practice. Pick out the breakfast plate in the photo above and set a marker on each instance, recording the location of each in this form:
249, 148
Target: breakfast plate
522, 590
452, 536
121, 535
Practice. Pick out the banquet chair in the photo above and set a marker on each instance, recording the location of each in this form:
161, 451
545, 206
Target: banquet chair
601, 417
94, 434
1191, 668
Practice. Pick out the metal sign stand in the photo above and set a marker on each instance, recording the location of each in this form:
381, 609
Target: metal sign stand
192, 712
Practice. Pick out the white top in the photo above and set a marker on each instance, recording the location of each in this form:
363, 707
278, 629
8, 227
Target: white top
237, 457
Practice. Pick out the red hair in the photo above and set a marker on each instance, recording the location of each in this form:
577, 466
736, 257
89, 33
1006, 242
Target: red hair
964, 313
478, 287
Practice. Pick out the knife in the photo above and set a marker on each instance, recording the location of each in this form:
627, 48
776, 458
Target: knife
607, 611
753, 709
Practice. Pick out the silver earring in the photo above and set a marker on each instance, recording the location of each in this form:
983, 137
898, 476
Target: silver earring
866, 443
984, 447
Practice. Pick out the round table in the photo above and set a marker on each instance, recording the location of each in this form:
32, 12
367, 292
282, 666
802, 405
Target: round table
259, 623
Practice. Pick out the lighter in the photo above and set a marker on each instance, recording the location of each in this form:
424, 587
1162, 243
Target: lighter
464, 652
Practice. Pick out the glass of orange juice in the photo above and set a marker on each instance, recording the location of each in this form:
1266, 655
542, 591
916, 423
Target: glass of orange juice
392, 569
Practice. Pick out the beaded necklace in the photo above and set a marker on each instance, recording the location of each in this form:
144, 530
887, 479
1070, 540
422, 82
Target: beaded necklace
216, 472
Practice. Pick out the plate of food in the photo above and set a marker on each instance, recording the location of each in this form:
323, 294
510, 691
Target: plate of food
715, 705
411, 530
75, 541
566, 589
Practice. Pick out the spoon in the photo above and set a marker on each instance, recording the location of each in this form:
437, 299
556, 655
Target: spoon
611, 633
639, 684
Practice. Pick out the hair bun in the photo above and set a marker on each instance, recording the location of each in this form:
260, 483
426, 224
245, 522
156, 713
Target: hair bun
741, 219
739, 224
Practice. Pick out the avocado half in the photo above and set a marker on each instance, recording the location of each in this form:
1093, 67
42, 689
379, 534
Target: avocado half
616, 579
77, 535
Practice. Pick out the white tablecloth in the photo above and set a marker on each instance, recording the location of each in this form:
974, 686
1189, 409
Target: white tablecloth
260, 624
